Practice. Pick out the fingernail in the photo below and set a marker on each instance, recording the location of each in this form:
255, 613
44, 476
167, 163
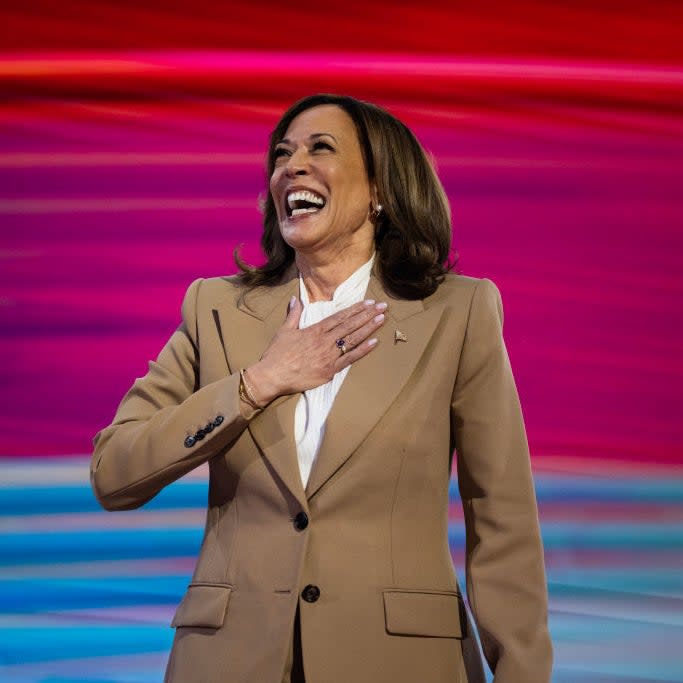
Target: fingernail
292, 301
369, 302
372, 342
381, 307
379, 318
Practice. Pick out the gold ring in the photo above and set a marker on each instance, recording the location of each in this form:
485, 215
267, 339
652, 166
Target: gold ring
341, 345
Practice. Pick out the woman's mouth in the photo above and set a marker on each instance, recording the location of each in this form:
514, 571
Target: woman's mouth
302, 202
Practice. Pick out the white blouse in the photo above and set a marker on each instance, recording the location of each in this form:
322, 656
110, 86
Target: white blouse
315, 404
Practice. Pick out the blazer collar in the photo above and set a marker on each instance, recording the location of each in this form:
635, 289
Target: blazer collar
373, 382
369, 388
262, 302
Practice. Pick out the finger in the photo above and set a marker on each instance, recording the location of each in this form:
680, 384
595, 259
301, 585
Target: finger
293, 314
355, 354
336, 318
362, 333
371, 317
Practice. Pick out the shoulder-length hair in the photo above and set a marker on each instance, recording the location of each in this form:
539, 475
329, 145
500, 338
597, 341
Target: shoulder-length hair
413, 230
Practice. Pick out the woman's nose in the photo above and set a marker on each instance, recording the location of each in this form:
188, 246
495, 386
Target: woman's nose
298, 163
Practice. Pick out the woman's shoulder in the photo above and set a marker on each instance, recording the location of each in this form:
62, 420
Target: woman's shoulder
457, 288
470, 298
205, 293
215, 288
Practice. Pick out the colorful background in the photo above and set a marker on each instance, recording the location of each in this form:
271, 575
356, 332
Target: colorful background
132, 138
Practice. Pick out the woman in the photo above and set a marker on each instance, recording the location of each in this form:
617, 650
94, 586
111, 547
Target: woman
327, 391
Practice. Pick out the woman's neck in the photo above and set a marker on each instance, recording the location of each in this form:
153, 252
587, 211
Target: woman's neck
323, 277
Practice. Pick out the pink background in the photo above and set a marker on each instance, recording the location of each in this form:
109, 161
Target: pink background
132, 135
131, 161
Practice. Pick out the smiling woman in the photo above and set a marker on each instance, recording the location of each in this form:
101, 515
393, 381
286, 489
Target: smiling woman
321, 191
328, 389
386, 193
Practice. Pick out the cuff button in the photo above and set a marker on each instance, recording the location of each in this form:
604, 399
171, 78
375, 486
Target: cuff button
218, 420
190, 441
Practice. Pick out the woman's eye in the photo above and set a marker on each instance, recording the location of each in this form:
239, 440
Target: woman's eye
322, 145
279, 153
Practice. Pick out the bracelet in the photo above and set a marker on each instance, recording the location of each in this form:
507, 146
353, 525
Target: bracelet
246, 392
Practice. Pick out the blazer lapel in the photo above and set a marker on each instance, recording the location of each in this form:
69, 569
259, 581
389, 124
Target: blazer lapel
246, 332
373, 382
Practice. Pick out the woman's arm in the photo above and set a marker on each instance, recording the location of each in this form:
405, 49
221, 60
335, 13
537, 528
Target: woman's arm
505, 575
166, 425
155, 437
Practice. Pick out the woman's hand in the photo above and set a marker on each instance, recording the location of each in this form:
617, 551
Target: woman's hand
297, 360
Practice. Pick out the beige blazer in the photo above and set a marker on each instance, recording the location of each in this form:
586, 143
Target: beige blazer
368, 561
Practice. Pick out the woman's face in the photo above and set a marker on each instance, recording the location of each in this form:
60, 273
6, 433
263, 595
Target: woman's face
319, 184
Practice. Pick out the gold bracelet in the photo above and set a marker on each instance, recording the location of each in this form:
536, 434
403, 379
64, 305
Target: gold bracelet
246, 392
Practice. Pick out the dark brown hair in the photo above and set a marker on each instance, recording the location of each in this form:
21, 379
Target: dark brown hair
413, 231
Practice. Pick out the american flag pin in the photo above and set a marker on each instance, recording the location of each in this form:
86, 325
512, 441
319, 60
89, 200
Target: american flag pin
399, 336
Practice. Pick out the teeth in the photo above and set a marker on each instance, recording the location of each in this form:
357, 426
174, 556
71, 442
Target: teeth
304, 196
298, 212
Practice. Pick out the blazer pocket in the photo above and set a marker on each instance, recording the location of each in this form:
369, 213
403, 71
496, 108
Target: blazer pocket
424, 613
204, 605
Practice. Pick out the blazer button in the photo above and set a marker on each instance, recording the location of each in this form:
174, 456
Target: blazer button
301, 521
310, 593
218, 420
190, 441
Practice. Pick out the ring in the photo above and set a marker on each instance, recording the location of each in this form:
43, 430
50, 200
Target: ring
341, 345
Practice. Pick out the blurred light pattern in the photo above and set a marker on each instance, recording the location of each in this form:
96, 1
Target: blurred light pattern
132, 137
124, 176
87, 595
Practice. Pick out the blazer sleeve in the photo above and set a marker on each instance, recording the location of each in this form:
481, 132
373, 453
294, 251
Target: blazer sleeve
505, 575
165, 425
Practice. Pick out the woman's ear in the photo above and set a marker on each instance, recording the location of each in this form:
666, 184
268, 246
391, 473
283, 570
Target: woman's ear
374, 197
375, 206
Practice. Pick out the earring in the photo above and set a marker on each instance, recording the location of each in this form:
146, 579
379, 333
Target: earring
376, 212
